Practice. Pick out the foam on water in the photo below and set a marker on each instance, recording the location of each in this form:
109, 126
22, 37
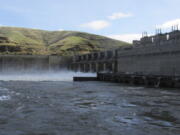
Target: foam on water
4, 98
43, 76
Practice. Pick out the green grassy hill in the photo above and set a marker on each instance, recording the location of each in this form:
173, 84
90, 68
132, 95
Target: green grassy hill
66, 43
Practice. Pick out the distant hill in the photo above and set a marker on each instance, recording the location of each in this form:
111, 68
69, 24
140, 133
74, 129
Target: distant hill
66, 43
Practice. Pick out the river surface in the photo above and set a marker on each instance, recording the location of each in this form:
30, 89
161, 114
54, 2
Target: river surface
86, 108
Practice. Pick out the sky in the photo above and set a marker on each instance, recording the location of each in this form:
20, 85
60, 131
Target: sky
119, 19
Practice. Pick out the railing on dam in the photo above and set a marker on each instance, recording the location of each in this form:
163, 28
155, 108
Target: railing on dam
159, 39
97, 56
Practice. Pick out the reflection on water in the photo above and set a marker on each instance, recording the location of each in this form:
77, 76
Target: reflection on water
86, 108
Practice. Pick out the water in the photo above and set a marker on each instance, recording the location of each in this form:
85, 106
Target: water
51, 104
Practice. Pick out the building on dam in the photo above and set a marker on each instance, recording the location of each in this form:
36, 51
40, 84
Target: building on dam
157, 55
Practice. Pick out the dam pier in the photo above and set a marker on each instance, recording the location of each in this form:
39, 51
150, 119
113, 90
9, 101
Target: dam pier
151, 61
96, 62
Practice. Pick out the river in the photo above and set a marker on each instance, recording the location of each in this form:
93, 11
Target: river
53, 104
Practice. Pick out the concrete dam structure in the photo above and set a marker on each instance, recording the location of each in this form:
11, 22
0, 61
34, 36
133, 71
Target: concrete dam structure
20, 63
154, 60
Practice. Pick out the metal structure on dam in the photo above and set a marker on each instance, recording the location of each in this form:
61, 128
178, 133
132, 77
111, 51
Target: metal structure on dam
154, 60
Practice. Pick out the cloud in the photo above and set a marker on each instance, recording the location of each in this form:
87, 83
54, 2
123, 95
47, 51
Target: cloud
169, 24
126, 37
119, 15
96, 25
101, 24
60, 29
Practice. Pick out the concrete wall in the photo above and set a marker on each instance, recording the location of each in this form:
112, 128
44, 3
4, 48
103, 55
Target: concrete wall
28, 62
152, 64
59, 62
161, 59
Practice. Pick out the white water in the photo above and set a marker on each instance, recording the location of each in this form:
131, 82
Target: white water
43, 76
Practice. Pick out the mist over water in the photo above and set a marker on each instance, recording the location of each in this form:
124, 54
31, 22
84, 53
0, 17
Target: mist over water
63, 75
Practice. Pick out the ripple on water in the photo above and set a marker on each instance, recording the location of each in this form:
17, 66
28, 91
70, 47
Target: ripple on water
3, 89
127, 104
128, 120
135, 88
156, 122
160, 118
86, 104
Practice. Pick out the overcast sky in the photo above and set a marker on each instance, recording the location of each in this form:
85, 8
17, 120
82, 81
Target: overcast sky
119, 19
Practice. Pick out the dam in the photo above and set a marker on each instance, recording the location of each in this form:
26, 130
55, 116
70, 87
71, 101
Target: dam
151, 61
154, 60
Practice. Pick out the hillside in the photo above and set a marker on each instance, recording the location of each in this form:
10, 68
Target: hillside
31, 41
